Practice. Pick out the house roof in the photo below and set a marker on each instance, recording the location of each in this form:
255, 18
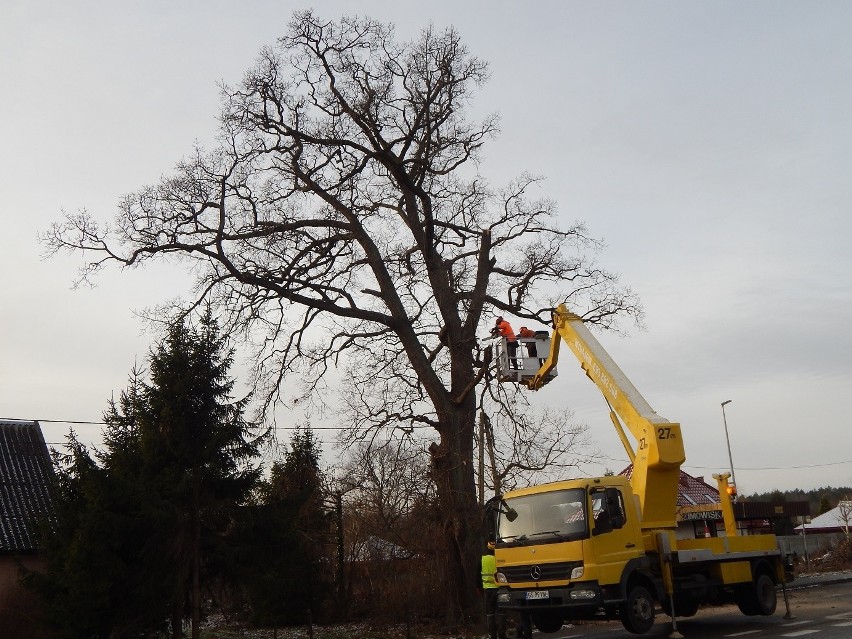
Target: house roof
375, 548
25, 477
833, 520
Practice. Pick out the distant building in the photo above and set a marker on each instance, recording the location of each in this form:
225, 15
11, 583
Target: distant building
699, 513
25, 497
837, 520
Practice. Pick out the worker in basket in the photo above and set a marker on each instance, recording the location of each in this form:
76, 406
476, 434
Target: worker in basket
504, 329
527, 333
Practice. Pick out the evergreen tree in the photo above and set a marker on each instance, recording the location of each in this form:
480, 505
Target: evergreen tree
100, 560
140, 525
197, 452
71, 587
293, 524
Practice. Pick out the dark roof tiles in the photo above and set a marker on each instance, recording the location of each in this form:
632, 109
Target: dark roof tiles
25, 476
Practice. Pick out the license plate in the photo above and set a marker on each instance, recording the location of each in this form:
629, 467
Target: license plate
538, 594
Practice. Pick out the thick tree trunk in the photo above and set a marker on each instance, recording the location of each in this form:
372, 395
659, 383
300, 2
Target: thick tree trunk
196, 555
452, 470
177, 618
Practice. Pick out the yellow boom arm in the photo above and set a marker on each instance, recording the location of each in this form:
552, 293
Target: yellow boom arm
659, 449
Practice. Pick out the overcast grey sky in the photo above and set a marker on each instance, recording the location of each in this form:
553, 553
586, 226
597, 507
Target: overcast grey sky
709, 144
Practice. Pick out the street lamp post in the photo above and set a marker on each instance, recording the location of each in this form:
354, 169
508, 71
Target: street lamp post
728, 440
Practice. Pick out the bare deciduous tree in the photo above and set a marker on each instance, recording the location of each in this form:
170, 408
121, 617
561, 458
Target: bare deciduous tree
341, 223
844, 509
531, 447
390, 541
387, 482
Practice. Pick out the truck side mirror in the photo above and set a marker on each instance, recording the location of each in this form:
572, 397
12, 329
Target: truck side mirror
497, 505
603, 523
613, 505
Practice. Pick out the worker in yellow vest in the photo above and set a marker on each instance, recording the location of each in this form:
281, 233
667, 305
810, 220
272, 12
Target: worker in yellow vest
493, 620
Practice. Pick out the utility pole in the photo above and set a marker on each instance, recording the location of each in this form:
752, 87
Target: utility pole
481, 458
728, 440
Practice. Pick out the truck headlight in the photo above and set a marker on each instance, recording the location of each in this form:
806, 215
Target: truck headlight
504, 597
577, 572
500, 578
582, 593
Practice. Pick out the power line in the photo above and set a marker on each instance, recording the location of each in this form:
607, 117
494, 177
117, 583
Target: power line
588, 457
745, 468
92, 423
838, 463
313, 428
51, 421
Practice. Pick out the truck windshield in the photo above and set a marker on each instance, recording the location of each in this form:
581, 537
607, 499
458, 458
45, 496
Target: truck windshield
549, 517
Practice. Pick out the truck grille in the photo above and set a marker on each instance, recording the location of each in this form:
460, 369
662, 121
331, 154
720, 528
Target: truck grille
559, 571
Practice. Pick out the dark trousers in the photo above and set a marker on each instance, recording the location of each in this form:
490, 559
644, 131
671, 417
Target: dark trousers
494, 620
512, 353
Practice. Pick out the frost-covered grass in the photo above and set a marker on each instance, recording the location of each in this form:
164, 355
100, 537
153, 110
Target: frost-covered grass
217, 629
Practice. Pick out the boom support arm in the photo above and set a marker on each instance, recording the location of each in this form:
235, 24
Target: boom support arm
659, 449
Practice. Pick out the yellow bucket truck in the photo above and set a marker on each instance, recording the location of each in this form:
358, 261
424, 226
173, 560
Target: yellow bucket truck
605, 547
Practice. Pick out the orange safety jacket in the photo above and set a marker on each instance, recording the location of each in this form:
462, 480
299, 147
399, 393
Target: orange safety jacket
505, 329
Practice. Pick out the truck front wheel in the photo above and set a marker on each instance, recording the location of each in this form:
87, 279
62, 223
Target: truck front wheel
547, 621
637, 614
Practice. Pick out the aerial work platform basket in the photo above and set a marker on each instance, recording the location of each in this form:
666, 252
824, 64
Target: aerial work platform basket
518, 360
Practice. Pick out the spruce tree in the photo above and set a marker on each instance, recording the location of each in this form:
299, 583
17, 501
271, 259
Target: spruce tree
100, 580
142, 523
197, 450
293, 525
75, 593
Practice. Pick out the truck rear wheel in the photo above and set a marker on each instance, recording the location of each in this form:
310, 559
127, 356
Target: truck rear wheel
683, 607
759, 598
637, 614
